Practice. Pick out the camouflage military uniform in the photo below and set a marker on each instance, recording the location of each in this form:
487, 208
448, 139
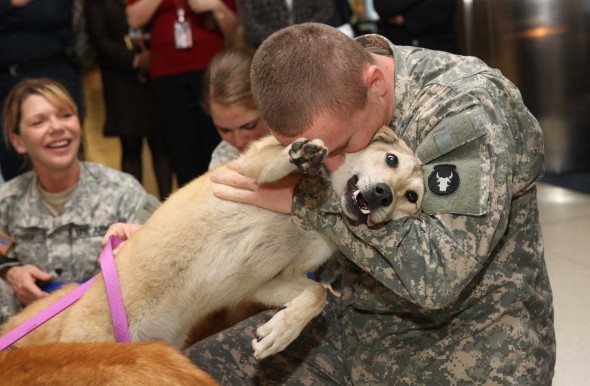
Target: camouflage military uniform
222, 154
69, 244
458, 296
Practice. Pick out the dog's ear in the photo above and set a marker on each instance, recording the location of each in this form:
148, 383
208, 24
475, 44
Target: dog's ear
385, 135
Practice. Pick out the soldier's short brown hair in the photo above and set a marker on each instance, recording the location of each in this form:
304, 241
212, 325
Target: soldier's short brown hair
307, 69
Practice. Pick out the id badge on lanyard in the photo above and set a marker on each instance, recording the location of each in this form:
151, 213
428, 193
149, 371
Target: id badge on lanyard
183, 37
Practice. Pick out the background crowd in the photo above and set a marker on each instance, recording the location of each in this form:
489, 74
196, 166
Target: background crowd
152, 89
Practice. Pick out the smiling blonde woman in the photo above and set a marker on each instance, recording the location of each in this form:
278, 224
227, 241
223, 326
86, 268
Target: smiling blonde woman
52, 218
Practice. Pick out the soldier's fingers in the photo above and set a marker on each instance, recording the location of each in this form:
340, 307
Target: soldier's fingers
229, 193
39, 274
234, 179
113, 229
30, 293
122, 230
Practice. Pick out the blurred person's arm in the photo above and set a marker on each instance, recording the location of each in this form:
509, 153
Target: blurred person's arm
108, 46
141, 12
19, 3
226, 18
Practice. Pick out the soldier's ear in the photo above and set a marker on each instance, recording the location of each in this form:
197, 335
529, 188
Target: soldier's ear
375, 80
17, 143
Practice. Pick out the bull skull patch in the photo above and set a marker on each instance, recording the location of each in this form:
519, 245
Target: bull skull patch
444, 179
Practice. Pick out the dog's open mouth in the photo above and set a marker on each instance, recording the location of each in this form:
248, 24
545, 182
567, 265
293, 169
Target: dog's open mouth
355, 202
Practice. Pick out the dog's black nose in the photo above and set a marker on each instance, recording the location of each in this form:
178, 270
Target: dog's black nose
381, 196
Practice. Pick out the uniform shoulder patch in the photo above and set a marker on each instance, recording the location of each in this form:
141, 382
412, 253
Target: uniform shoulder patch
444, 179
5, 243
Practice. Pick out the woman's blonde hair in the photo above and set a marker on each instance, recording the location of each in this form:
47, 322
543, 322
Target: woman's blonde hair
227, 79
49, 89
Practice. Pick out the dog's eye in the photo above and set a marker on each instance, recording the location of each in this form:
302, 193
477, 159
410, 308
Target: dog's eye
391, 160
412, 196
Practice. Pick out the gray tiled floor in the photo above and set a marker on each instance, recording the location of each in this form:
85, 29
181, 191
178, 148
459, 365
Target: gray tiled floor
565, 219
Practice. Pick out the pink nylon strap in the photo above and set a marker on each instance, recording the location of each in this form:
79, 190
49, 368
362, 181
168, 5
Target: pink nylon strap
111, 281
32, 323
120, 325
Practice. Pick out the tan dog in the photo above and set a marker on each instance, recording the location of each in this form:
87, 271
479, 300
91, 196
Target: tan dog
197, 254
105, 363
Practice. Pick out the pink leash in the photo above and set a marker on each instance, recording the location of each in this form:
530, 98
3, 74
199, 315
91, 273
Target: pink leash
111, 282
111, 279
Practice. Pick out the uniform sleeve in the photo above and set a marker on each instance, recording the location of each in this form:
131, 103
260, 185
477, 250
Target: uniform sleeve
429, 260
222, 154
7, 259
136, 205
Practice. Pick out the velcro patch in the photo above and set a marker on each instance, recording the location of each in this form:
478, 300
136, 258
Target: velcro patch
444, 179
5, 243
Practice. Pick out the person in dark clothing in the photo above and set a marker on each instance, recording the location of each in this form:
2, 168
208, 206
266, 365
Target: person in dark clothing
177, 66
420, 23
35, 41
261, 18
131, 112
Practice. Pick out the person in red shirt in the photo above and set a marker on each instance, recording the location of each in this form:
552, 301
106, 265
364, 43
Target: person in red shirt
185, 35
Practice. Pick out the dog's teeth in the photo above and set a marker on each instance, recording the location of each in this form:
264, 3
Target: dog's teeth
360, 205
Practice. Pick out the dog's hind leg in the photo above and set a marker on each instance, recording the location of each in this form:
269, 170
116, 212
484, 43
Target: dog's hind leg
302, 300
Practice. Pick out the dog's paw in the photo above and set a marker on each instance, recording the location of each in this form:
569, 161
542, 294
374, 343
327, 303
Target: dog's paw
308, 155
276, 334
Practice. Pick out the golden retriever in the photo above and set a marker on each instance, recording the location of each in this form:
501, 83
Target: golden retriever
102, 363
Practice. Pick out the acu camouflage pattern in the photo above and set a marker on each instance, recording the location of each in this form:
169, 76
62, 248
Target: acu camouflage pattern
222, 154
457, 296
69, 243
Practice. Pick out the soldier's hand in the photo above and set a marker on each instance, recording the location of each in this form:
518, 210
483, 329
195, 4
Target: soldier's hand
276, 196
22, 280
123, 231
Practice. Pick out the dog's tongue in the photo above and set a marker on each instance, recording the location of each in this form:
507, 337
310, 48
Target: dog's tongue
369, 221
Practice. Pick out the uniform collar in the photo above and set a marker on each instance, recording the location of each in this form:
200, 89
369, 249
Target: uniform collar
73, 212
379, 45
